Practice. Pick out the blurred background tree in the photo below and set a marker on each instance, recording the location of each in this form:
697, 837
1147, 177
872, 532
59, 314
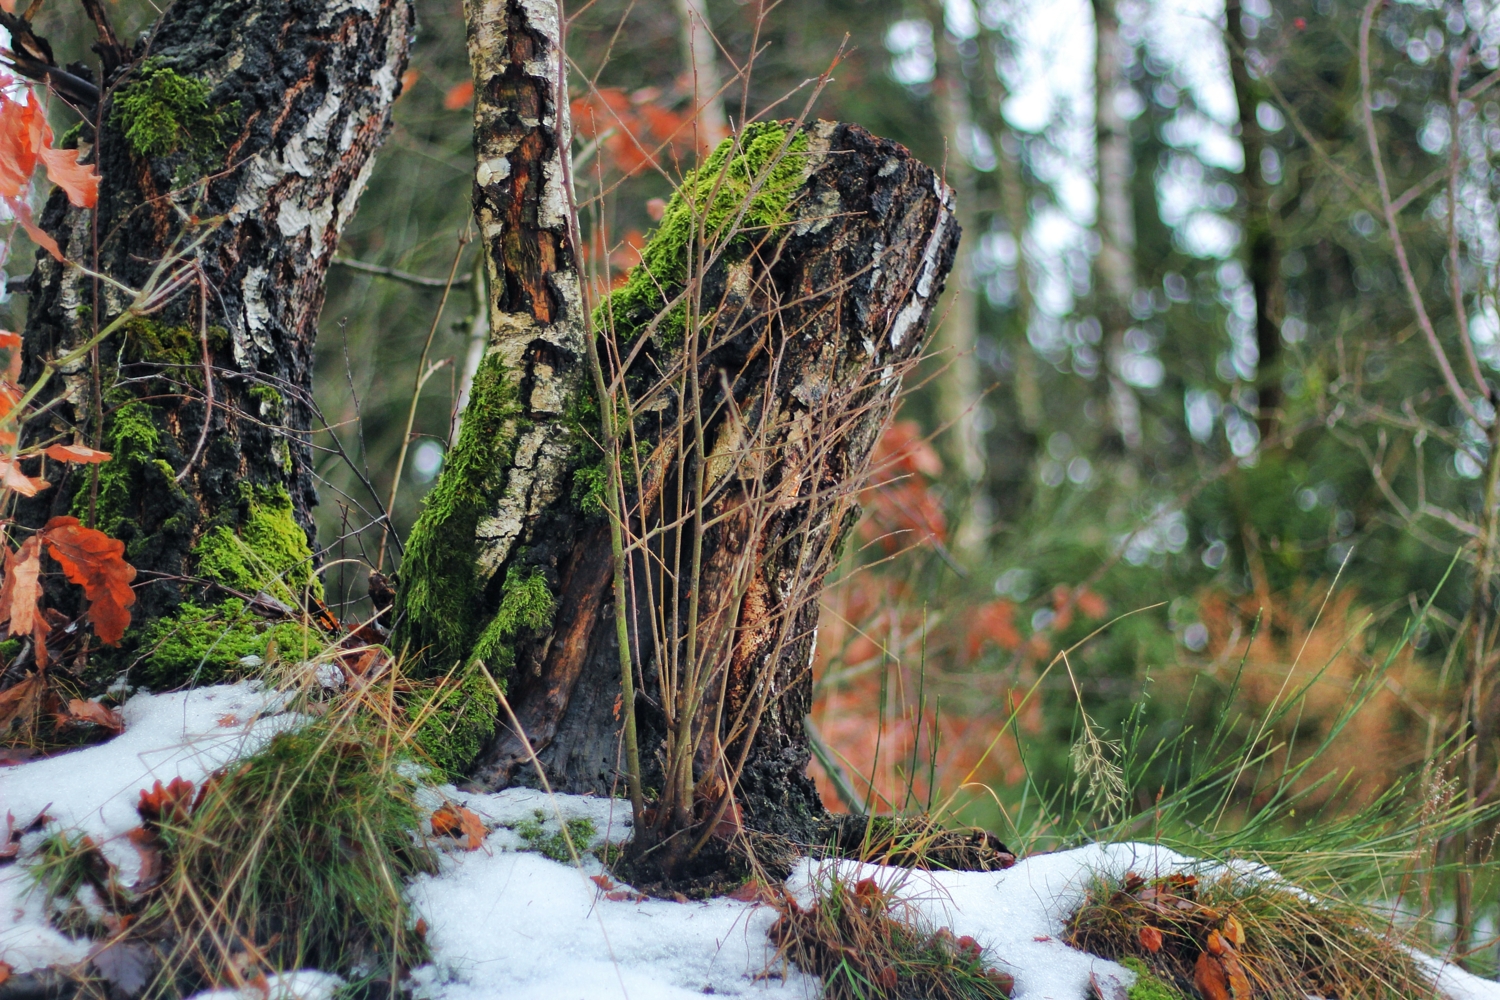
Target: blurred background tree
1224, 330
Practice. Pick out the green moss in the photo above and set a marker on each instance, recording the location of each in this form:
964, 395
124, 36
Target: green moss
70, 138
162, 112
9, 648
271, 404
199, 645
440, 584
458, 720
1147, 986
268, 550
148, 340
137, 480
589, 484
554, 845
712, 198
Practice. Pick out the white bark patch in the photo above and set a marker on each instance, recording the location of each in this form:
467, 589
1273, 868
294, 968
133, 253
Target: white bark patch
912, 311
496, 168
256, 332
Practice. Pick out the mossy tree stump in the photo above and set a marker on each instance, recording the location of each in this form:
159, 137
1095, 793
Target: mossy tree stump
249, 127
818, 251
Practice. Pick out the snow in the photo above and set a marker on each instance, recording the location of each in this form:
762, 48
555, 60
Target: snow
505, 923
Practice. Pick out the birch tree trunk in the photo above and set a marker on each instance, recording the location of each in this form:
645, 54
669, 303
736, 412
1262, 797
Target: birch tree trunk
752, 394
1115, 264
245, 188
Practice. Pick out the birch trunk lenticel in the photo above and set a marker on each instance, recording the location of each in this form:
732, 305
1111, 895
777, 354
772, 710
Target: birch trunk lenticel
233, 144
750, 363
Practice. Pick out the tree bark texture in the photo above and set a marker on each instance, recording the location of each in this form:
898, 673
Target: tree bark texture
805, 332
1262, 251
1115, 264
251, 199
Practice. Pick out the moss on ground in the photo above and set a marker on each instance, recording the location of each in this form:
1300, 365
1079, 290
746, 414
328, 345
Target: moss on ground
710, 201
440, 585
554, 845
209, 645
1148, 986
161, 112
267, 551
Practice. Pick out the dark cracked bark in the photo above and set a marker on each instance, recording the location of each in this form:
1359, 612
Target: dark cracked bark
299, 95
809, 325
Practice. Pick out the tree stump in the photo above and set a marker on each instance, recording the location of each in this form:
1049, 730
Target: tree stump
751, 364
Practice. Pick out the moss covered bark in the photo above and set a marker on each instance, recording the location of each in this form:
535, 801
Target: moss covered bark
221, 136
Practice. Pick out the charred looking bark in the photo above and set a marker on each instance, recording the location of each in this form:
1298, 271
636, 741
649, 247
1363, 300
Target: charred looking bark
298, 97
813, 323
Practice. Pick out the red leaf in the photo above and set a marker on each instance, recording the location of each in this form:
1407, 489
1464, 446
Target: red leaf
1210, 978
17, 150
1151, 939
602, 881
459, 95
96, 562
148, 847
5, 967
22, 212
76, 453
753, 891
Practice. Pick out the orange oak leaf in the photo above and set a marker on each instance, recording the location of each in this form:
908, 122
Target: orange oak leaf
76, 453
1151, 939
20, 700
39, 236
96, 562
12, 478
456, 821
166, 804
11, 343
1210, 978
80, 710
602, 881
21, 591
79, 181
148, 846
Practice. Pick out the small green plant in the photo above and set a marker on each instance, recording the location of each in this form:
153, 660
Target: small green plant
554, 845
1148, 986
867, 944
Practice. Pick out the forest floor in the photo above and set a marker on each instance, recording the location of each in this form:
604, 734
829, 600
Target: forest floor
515, 909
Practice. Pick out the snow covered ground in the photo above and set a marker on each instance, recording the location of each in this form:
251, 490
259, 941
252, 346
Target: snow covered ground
510, 924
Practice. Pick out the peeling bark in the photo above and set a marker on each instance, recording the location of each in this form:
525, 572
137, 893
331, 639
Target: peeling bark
306, 89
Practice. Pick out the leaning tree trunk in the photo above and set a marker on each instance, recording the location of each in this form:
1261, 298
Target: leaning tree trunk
233, 144
751, 363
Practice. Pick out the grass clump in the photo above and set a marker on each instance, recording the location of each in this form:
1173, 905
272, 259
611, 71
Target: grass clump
742, 192
1187, 932
304, 849
162, 112
867, 944
554, 845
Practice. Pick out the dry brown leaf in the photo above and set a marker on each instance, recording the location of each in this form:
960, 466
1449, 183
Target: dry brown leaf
166, 805
22, 588
148, 847
20, 700
1234, 932
456, 821
602, 881
5, 971
1151, 939
12, 478
91, 711
97, 563
1211, 979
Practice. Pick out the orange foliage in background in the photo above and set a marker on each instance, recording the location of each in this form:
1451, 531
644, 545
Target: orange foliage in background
901, 509
636, 130
1294, 648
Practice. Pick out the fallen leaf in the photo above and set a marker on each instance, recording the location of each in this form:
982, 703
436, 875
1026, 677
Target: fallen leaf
21, 591
5, 967
20, 700
10, 846
1210, 978
1042, 937
1233, 931
76, 453
421, 929
96, 562
456, 821
228, 720
1239, 983
148, 847
602, 881
1215, 943
166, 805
1151, 939
92, 711
619, 895
753, 891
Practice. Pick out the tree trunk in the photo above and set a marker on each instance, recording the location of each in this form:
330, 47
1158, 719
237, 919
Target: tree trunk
747, 438
244, 192
1262, 252
1115, 264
